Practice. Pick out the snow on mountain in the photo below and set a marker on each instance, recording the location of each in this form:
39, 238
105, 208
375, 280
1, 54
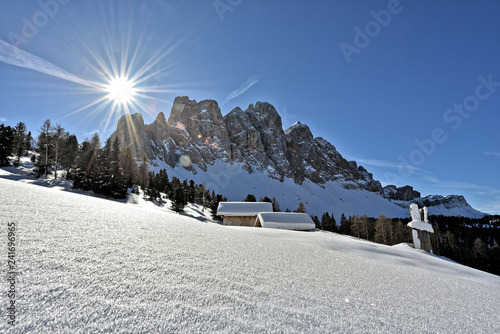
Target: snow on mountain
235, 182
87, 264
247, 151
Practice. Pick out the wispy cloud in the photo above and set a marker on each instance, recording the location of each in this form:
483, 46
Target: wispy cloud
394, 165
92, 132
3, 119
492, 154
243, 88
479, 189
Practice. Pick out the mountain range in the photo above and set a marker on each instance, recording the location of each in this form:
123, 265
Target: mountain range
248, 151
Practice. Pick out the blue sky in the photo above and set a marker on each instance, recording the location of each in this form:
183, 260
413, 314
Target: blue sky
408, 89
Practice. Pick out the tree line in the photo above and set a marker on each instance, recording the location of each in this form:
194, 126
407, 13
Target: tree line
109, 170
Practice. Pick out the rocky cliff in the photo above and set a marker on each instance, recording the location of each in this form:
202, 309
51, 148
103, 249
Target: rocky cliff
255, 137
196, 134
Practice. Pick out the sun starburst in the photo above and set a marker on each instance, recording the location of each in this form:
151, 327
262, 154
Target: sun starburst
121, 90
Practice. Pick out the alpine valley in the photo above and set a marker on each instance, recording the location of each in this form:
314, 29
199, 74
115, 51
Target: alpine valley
248, 152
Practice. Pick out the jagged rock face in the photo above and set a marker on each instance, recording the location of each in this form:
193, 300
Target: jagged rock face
196, 134
257, 138
253, 136
405, 193
449, 202
131, 129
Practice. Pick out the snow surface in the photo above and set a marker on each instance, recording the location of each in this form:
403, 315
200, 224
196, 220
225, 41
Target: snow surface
286, 220
420, 225
93, 265
243, 208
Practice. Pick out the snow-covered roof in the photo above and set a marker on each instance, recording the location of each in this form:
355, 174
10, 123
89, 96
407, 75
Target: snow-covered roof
243, 208
285, 220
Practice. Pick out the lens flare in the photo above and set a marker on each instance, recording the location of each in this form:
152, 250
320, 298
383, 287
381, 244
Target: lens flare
185, 161
181, 126
121, 90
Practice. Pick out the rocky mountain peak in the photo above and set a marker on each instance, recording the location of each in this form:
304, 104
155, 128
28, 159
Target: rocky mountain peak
160, 120
299, 131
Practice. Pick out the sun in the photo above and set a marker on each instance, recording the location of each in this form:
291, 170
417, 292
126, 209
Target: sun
121, 90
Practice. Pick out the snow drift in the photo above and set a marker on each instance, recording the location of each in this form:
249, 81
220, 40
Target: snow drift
95, 265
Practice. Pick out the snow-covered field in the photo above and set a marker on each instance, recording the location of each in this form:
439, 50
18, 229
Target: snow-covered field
97, 266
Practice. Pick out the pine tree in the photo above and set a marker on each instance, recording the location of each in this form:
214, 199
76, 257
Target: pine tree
69, 154
327, 223
19, 142
276, 205
250, 198
345, 226
44, 160
191, 191
6, 142
86, 167
143, 172
58, 135
214, 204
129, 166
178, 198
316, 221
29, 141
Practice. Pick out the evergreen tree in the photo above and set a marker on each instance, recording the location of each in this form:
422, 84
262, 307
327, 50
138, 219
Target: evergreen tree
29, 141
178, 198
162, 180
19, 143
129, 166
6, 142
316, 221
276, 205
44, 160
118, 184
70, 150
58, 135
191, 191
214, 204
250, 198
86, 168
328, 222
143, 172
345, 226
101, 173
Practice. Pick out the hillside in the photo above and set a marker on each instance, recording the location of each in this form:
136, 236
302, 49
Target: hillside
96, 265
248, 151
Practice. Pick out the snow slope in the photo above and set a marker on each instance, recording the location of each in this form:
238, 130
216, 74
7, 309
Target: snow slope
93, 265
235, 183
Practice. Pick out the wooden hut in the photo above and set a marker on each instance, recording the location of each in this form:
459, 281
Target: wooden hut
285, 220
242, 213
